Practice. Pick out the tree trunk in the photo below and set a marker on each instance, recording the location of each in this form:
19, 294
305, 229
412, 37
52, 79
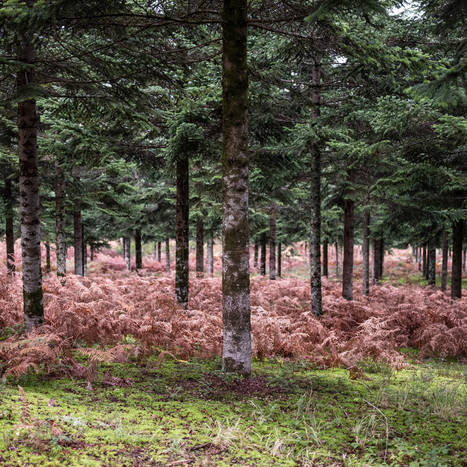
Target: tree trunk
255, 261
464, 260
9, 227
127, 249
337, 260
315, 218
91, 253
159, 251
420, 255
78, 242
47, 256
263, 255
431, 265
138, 250
199, 248
444, 266
272, 243
347, 268
182, 271
210, 253
85, 256
366, 255
325, 259
29, 191
376, 261
279, 259
60, 220
381, 259
167, 255
236, 351
425, 263
456, 274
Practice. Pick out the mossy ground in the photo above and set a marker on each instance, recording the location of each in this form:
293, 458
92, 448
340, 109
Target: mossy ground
189, 413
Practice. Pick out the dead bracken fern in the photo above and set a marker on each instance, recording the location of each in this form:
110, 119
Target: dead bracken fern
107, 307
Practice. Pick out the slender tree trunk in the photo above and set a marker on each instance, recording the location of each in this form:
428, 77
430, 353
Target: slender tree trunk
60, 220
47, 256
199, 248
347, 268
456, 274
325, 259
420, 255
78, 241
210, 253
464, 260
92, 251
431, 265
167, 255
255, 261
29, 191
425, 263
159, 251
272, 243
182, 271
444, 264
9, 227
138, 250
263, 255
381, 259
279, 259
236, 351
376, 261
127, 249
366, 254
85, 256
337, 260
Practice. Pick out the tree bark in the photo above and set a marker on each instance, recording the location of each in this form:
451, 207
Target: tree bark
167, 255
425, 263
279, 259
60, 220
159, 251
78, 242
347, 268
272, 243
210, 253
85, 255
456, 274
9, 227
127, 250
431, 265
337, 260
138, 250
366, 255
91, 253
199, 248
236, 351
376, 261
255, 261
181, 232
315, 218
444, 265
325, 259
381, 259
263, 255
47, 256
29, 191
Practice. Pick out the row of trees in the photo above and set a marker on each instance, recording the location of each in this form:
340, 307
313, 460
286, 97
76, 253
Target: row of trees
336, 120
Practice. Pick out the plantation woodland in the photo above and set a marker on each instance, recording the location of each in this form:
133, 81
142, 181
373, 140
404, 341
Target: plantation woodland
233, 232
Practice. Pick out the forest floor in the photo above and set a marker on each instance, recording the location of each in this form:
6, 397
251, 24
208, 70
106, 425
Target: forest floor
120, 380
190, 413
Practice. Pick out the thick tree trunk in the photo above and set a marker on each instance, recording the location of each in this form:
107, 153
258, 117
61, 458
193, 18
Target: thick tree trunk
456, 274
263, 255
337, 259
127, 250
60, 219
210, 253
279, 259
167, 255
9, 227
47, 256
444, 265
182, 271
138, 250
78, 242
325, 259
199, 248
347, 268
376, 261
272, 243
431, 265
315, 218
366, 255
255, 260
236, 351
29, 192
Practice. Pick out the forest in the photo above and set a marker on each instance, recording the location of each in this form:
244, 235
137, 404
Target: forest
233, 232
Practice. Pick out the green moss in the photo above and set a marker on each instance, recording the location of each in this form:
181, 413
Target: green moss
286, 414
